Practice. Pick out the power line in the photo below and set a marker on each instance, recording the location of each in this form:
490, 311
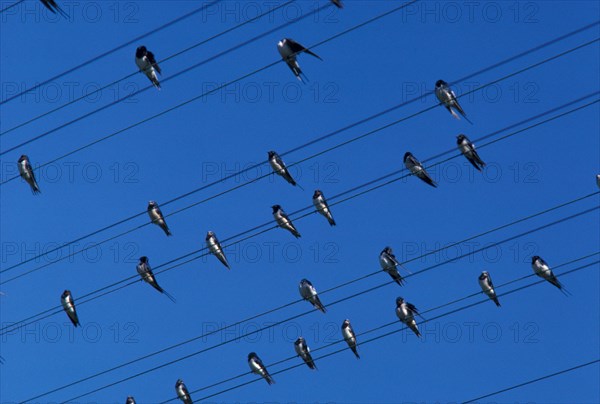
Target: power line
308, 208
257, 165
247, 183
516, 386
11, 6
173, 76
310, 311
102, 55
150, 118
403, 328
193, 99
450, 151
197, 44
315, 350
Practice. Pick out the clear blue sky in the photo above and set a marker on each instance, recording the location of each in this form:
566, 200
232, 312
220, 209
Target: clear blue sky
479, 350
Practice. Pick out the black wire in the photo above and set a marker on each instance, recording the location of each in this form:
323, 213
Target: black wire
293, 318
516, 386
102, 55
275, 324
197, 44
332, 204
199, 96
302, 364
259, 164
11, 6
173, 76
247, 183
232, 82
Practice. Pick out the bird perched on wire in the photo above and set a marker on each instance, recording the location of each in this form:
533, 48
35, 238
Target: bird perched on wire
289, 50
215, 248
417, 169
350, 336
145, 271
144, 59
26, 172
406, 313
280, 168
390, 264
303, 351
542, 269
157, 217
68, 304
284, 221
485, 281
467, 148
182, 392
259, 368
52, 6
322, 207
308, 292
447, 97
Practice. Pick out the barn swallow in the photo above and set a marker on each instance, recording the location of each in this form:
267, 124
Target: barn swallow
144, 59
284, 221
598, 180
156, 216
26, 173
406, 313
338, 3
215, 247
485, 281
350, 337
280, 168
145, 271
308, 292
259, 368
289, 50
52, 6
182, 392
68, 304
447, 97
417, 169
303, 351
541, 269
390, 264
322, 207
468, 150
130, 400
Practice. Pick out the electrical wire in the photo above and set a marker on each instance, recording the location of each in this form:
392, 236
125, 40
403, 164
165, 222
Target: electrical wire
239, 186
362, 343
249, 168
202, 95
272, 325
228, 84
11, 6
171, 77
294, 317
343, 193
181, 52
119, 47
539, 379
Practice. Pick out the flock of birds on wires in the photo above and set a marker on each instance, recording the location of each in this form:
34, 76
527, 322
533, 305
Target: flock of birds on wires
406, 312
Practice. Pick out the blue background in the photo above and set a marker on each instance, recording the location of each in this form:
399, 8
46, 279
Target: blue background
471, 353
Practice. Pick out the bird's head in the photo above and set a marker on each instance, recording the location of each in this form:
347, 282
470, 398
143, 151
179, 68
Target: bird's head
399, 301
407, 155
440, 83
